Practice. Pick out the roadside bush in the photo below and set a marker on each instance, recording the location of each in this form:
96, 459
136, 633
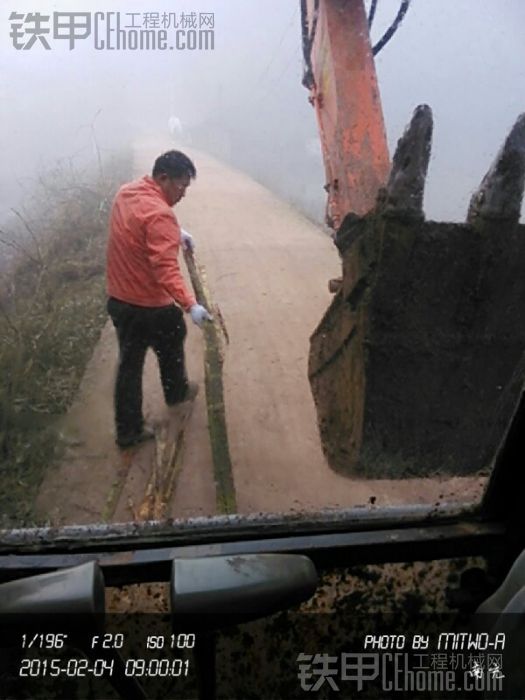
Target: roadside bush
52, 309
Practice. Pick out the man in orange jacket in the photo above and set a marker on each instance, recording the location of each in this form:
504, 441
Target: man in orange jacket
147, 293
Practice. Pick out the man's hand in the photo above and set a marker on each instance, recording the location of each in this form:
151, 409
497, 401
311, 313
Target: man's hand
187, 240
199, 314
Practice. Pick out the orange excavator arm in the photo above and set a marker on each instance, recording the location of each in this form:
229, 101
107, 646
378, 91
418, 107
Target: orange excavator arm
341, 77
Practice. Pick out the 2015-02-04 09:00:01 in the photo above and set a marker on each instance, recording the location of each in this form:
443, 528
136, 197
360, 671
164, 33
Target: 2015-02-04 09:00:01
35, 668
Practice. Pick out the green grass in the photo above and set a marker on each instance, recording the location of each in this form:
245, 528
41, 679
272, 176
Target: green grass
52, 309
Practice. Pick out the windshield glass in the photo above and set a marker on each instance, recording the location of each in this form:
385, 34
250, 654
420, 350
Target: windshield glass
222, 289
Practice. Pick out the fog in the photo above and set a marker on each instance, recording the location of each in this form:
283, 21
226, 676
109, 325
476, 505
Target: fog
244, 102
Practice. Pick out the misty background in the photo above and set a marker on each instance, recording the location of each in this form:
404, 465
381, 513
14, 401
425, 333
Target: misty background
244, 101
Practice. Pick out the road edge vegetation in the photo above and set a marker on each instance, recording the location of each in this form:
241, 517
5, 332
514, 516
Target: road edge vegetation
52, 310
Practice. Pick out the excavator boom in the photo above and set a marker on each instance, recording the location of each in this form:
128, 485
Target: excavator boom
340, 75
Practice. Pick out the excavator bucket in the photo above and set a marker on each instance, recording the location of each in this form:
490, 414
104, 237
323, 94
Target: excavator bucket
418, 364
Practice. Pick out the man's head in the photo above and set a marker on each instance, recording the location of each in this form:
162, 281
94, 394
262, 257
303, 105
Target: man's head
173, 171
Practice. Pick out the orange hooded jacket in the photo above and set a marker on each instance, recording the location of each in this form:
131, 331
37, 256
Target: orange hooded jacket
143, 248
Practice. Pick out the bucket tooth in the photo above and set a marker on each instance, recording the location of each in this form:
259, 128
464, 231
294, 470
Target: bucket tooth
501, 191
403, 195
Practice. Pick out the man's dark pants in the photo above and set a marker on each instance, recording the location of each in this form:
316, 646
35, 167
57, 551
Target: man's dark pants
138, 328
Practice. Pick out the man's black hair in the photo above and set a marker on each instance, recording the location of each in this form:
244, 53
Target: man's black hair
174, 164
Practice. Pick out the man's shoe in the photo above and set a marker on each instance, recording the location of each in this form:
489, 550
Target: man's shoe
191, 392
132, 440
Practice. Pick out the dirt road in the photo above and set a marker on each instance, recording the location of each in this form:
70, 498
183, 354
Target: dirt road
267, 267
